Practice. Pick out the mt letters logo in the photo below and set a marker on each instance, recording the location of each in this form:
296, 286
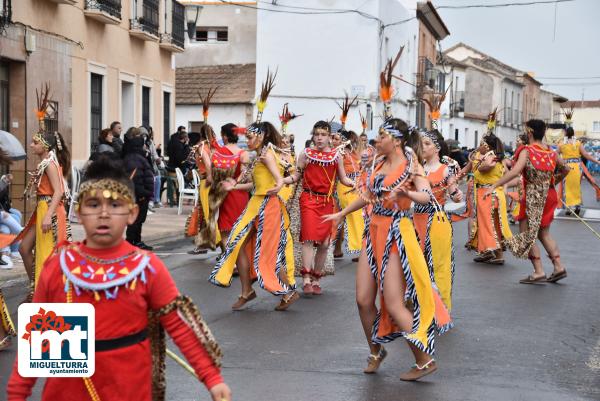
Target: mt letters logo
56, 340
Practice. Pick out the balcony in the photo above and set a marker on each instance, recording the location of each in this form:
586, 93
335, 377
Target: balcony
142, 29
168, 42
458, 102
69, 2
104, 11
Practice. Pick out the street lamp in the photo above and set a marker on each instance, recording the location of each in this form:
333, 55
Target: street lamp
191, 15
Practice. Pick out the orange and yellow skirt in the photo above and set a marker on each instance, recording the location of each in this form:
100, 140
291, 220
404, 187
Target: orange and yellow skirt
490, 225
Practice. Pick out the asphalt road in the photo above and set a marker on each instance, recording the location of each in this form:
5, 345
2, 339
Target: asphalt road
511, 341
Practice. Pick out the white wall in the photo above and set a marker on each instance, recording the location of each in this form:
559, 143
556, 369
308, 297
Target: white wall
320, 56
219, 115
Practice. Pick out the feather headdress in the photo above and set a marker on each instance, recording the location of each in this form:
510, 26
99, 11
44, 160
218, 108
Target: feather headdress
569, 115
267, 87
285, 117
42, 97
434, 101
345, 106
206, 102
385, 82
492, 119
363, 122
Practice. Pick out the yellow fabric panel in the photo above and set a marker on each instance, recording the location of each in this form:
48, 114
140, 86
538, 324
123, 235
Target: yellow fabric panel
503, 212
223, 276
570, 150
420, 275
355, 222
489, 177
573, 186
440, 236
44, 242
5, 320
203, 197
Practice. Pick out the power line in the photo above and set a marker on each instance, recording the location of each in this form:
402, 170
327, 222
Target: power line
568, 78
578, 84
528, 3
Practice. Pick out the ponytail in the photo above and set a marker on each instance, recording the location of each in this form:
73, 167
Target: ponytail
413, 140
60, 148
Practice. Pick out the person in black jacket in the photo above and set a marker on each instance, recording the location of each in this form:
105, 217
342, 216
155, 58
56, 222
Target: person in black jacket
140, 170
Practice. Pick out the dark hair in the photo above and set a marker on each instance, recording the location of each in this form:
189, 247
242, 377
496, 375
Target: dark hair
103, 134
228, 131
321, 125
495, 144
114, 124
410, 138
350, 136
195, 138
206, 132
59, 146
524, 139
444, 150
180, 128
108, 165
570, 132
270, 133
538, 128
308, 143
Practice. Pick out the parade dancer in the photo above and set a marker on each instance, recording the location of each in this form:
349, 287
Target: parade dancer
571, 151
260, 242
48, 225
318, 168
537, 163
490, 220
393, 265
135, 301
432, 223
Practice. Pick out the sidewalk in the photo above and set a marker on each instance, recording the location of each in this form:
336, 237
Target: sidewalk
161, 226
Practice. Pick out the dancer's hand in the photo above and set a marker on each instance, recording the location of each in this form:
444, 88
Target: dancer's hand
47, 223
220, 392
227, 185
275, 190
458, 197
336, 218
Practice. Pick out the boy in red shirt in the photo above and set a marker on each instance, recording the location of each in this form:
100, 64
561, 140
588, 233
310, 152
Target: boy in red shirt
135, 300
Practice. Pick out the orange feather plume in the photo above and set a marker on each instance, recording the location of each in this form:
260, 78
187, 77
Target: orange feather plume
345, 106
385, 78
206, 102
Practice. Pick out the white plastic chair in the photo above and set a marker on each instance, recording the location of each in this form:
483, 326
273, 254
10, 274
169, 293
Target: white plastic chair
75, 181
185, 193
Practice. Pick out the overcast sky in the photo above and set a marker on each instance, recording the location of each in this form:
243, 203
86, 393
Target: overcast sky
523, 37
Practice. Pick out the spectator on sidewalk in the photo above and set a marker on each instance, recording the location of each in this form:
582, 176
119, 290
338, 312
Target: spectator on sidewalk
10, 223
117, 142
140, 171
178, 151
155, 162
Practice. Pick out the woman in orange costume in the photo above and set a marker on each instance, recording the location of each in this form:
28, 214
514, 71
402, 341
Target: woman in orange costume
490, 223
392, 264
433, 225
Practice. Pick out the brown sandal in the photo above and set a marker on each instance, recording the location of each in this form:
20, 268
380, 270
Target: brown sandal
418, 372
533, 280
286, 303
243, 300
555, 277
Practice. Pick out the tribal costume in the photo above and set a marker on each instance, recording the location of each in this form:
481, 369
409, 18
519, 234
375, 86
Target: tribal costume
490, 223
61, 229
390, 229
540, 199
353, 225
135, 300
270, 247
570, 188
434, 230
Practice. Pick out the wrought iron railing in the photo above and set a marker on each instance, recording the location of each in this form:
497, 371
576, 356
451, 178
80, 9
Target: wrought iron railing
5, 14
111, 7
178, 24
148, 21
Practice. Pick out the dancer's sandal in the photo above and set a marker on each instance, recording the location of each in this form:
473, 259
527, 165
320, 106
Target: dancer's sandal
29, 297
555, 277
495, 261
243, 300
287, 300
418, 372
5, 343
338, 256
484, 257
316, 286
374, 361
534, 280
307, 288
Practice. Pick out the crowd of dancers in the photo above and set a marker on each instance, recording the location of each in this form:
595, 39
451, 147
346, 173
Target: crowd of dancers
279, 215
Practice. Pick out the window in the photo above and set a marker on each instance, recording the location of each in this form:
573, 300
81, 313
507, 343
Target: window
212, 34
51, 119
4, 101
476, 139
456, 134
95, 109
505, 109
596, 126
518, 108
166, 117
512, 119
145, 106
